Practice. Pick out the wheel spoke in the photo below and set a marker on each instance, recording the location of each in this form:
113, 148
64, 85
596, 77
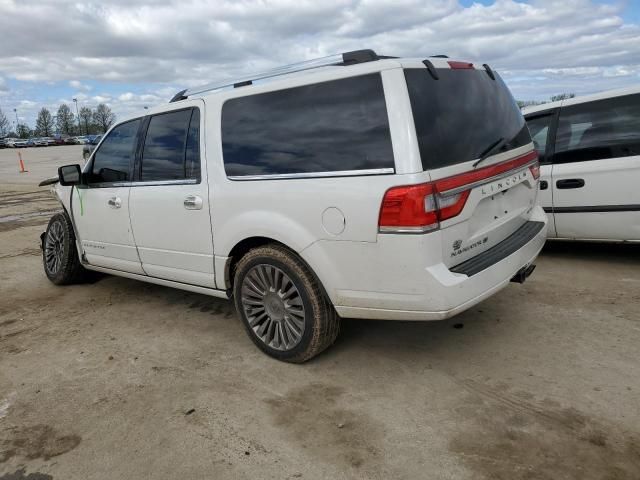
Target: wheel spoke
273, 307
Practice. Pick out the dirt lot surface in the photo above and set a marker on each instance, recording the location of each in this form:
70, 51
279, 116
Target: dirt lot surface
119, 379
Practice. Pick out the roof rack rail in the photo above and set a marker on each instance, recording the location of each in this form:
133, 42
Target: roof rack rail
340, 59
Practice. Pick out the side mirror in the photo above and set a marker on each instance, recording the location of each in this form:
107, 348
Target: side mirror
69, 174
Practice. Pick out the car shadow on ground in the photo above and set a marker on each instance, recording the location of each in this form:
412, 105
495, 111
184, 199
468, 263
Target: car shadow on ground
589, 251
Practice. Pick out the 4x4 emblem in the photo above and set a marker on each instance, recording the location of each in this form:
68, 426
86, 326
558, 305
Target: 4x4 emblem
457, 244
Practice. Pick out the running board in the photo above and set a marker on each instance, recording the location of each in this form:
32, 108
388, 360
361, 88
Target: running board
212, 292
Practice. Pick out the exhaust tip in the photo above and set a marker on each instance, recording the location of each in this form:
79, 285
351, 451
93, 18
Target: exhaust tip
523, 274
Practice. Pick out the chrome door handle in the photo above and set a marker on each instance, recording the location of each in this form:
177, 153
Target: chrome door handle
115, 202
193, 202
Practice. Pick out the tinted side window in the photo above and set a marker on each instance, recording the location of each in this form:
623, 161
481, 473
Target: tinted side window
539, 129
599, 130
111, 162
166, 146
327, 127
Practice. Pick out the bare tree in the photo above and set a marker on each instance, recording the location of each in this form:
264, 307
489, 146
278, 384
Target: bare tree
85, 115
103, 117
4, 124
44, 123
65, 119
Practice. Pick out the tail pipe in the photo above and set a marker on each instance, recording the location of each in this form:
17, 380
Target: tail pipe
523, 274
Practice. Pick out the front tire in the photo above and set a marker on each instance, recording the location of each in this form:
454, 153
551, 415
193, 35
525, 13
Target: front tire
283, 308
59, 253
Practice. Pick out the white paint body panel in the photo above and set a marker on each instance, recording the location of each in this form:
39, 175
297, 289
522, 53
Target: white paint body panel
613, 181
173, 243
105, 232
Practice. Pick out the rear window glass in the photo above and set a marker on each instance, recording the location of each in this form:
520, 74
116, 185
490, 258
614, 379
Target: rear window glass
326, 127
459, 116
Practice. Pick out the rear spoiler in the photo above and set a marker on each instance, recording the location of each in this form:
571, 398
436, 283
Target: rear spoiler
48, 181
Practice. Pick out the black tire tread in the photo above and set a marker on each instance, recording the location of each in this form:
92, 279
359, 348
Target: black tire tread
326, 326
72, 270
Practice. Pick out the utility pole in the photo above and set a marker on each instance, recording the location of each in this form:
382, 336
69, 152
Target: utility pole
75, 100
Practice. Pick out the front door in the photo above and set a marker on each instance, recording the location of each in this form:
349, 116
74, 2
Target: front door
596, 170
101, 207
169, 200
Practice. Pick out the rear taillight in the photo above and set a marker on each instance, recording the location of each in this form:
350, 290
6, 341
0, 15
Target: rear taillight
421, 208
409, 208
418, 208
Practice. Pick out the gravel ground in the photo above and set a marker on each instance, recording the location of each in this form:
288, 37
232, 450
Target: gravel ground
121, 379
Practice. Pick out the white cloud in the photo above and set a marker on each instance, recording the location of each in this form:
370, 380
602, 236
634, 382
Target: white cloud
542, 47
78, 85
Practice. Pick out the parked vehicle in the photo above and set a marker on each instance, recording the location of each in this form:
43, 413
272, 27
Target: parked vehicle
60, 139
351, 186
20, 142
590, 152
3, 142
90, 146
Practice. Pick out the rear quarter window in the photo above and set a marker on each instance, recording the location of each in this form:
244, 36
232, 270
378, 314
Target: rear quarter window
334, 126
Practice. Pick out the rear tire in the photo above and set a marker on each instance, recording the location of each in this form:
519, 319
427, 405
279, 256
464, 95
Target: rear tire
282, 306
59, 253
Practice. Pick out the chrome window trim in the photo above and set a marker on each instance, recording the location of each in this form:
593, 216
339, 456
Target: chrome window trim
484, 181
285, 176
183, 181
188, 181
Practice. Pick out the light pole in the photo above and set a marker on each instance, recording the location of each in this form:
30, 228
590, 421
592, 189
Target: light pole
75, 100
15, 110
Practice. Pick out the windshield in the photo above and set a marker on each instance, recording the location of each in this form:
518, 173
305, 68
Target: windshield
461, 115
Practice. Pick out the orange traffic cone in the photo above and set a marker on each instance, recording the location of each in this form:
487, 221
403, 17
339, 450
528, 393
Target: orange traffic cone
22, 170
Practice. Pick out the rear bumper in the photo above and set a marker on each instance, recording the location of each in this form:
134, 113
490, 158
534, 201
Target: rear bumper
435, 292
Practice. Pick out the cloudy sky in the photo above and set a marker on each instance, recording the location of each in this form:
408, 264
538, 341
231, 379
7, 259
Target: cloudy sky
132, 53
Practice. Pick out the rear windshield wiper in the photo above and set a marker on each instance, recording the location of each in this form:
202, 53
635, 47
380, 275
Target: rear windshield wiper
486, 153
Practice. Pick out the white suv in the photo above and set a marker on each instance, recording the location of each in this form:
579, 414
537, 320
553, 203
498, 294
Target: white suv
589, 148
351, 186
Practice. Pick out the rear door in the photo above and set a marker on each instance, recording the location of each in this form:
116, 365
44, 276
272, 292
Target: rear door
542, 129
101, 207
169, 200
596, 170
475, 144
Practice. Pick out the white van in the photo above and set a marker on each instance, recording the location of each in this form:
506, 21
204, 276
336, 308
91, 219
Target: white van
589, 149
350, 186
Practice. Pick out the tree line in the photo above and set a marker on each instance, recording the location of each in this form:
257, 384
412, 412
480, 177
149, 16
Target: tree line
553, 98
88, 122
